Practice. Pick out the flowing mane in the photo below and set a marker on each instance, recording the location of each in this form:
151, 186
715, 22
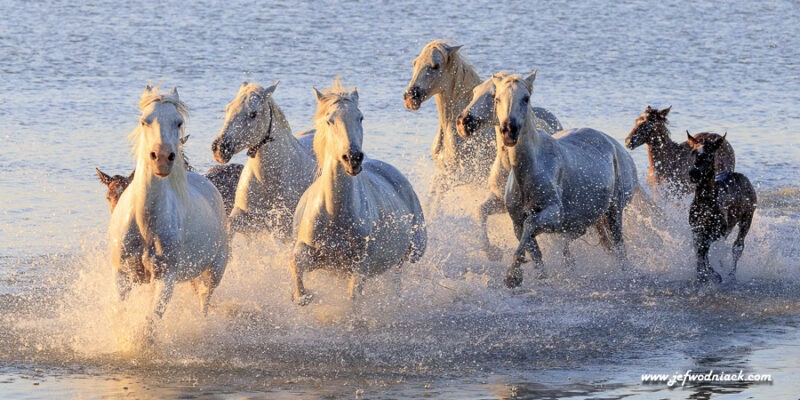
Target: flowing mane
256, 89
142, 181
330, 97
464, 79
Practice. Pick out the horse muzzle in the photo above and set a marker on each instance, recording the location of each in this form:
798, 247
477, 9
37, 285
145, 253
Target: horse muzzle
510, 132
412, 98
222, 153
352, 162
162, 158
632, 142
466, 125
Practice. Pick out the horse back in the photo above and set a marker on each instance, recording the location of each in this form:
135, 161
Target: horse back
736, 196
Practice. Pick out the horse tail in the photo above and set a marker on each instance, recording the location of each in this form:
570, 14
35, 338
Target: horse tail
604, 233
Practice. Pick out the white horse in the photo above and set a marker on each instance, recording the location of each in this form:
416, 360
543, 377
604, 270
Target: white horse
441, 71
561, 184
169, 221
478, 116
360, 215
279, 168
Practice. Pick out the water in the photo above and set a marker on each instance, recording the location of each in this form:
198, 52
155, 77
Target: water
446, 327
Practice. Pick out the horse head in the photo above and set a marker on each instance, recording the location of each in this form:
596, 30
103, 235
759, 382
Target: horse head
512, 104
647, 129
339, 128
248, 122
431, 69
703, 155
160, 133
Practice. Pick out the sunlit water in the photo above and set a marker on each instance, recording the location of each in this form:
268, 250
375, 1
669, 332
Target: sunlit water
71, 77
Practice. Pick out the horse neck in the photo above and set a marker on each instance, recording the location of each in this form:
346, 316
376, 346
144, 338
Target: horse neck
707, 190
152, 196
338, 188
282, 155
661, 149
456, 96
530, 143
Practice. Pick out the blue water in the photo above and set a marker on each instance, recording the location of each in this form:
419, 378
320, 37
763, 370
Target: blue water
71, 76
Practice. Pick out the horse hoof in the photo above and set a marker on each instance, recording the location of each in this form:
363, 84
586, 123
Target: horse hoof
493, 253
513, 279
303, 300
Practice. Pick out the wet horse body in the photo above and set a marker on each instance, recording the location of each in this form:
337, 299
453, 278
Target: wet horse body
279, 168
562, 184
479, 115
441, 72
360, 216
670, 161
721, 202
169, 221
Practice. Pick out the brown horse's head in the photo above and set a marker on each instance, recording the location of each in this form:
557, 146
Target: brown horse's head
703, 155
648, 128
116, 185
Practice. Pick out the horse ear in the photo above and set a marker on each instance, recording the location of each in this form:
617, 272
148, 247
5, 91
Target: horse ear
185, 139
724, 135
103, 176
354, 95
174, 92
665, 112
452, 49
529, 80
147, 89
319, 94
244, 83
689, 138
496, 79
130, 177
270, 89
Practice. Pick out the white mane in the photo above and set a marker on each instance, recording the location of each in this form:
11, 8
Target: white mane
142, 181
330, 98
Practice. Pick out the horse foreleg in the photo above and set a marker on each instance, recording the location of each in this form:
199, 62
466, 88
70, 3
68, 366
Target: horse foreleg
165, 295
356, 285
302, 258
124, 284
704, 270
526, 242
490, 206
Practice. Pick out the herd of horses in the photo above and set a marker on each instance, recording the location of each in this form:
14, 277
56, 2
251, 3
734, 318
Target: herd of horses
347, 212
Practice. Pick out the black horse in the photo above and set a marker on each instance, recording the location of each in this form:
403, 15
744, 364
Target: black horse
720, 202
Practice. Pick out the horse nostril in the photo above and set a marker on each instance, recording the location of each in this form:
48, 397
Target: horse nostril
153, 155
345, 157
171, 156
358, 157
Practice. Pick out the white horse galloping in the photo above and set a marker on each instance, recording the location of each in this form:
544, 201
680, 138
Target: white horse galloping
441, 72
360, 215
561, 184
171, 219
478, 116
279, 168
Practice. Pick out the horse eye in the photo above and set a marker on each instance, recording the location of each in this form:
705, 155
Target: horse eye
435, 66
361, 119
253, 114
526, 99
180, 124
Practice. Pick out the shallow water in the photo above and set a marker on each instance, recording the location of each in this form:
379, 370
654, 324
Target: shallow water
443, 328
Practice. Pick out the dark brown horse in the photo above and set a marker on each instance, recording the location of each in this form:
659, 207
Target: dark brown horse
670, 161
116, 185
721, 201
